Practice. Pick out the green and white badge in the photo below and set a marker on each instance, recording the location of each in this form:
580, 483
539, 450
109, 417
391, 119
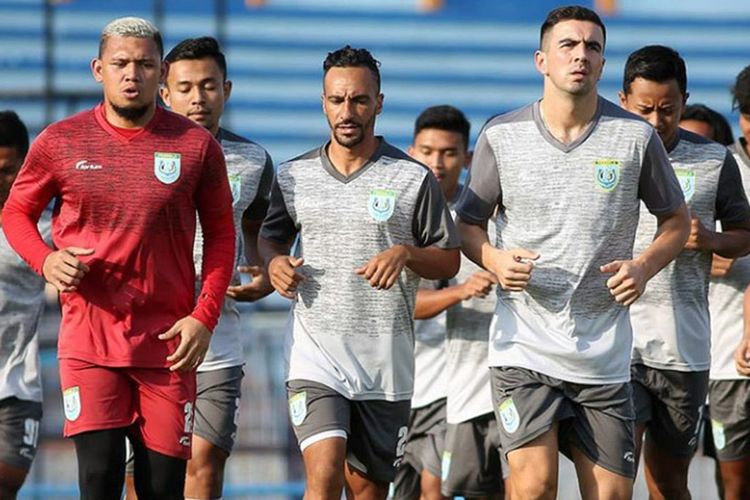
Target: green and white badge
167, 167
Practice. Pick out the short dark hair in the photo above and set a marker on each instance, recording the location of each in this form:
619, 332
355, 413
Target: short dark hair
446, 118
702, 113
741, 92
655, 63
349, 57
570, 13
13, 133
199, 48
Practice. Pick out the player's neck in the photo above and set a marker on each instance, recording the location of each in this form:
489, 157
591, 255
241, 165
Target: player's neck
348, 160
567, 117
116, 120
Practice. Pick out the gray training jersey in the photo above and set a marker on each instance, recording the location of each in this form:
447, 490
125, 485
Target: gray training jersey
726, 295
577, 205
670, 321
341, 332
250, 172
21, 306
469, 392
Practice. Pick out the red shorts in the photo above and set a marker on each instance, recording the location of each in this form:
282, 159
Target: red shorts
159, 402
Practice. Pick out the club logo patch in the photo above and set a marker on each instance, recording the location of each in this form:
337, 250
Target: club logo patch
72, 403
298, 408
607, 173
381, 204
687, 182
167, 167
235, 184
445, 465
509, 416
717, 429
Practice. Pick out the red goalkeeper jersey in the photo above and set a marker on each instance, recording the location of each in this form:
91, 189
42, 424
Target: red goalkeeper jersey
134, 201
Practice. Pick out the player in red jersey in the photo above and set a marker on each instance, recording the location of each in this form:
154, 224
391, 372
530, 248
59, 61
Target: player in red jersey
128, 178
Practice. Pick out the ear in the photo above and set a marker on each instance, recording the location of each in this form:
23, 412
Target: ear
227, 90
410, 151
323, 101
164, 70
379, 105
96, 69
540, 61
685, 99
164, 94
469, 156
601, 70
623, 98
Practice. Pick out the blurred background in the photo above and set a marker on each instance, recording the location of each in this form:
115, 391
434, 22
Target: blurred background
474, 54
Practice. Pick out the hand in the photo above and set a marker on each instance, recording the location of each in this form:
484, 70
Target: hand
742, 357
63, 269
629, 280
194, 340
258, 288
720, 266
512, 267
383, 270
700, 237
283, 275
478, 284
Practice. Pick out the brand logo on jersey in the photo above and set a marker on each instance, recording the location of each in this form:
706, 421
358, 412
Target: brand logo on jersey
167, 167
607, 174
72, 403
381, 204
717, 429
85, 165
185, 440
629, 456
445, 465
298, 408
235, 184
509, 416
687, 182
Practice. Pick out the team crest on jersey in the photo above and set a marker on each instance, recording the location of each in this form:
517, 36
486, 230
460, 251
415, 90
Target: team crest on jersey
607, 174
445, 465
687, 182
72, 403
298, 408
381, 204
717, 429
167, 167
235, 184
509, 416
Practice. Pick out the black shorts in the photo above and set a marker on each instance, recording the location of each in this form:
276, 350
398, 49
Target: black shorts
19, 431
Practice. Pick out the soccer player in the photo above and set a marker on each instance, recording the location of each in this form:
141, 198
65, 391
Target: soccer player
671, 326
704, 121
371, 221
197, 87
441, 141
128, 178
21, 306
729, 377
566, 174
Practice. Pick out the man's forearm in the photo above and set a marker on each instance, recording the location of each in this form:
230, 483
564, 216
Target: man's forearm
250, 232
268, 250
430, 303
433, 263
731, 243
473, 239
673, 232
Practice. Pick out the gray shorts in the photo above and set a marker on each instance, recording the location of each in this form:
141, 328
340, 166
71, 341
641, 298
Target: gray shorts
472, 459
217, 404
670, 403
596, 419
375, 430
19, 431
729, 402
424, 449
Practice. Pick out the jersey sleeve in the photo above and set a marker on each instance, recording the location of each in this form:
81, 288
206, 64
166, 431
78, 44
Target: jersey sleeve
731, 201
214, 204
658, 186
32, 190
483, 192
432, 224
259, 206
278, 226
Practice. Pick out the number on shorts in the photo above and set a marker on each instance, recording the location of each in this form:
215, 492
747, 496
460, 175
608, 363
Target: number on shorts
31, 432
188, 417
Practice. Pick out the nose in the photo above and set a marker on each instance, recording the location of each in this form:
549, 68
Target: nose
197, 96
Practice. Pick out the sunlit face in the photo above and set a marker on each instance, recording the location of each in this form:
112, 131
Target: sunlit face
196, 88
572, 57
10, 163
444, 152
661, 103
130, 70
699, 127
351, 103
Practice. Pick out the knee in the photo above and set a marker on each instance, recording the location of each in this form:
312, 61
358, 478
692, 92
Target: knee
325, 478
533, 486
